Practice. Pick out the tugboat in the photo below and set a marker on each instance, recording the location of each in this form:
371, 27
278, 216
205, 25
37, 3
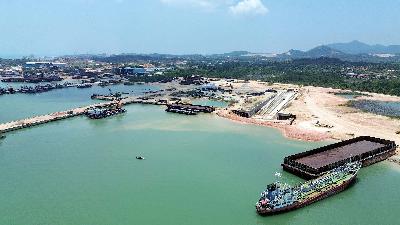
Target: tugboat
279, 198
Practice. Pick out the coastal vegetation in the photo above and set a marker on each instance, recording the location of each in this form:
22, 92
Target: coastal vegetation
324, 72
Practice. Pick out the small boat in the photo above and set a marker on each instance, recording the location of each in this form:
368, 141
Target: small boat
100, 113
2, 136
139, 157
84, 85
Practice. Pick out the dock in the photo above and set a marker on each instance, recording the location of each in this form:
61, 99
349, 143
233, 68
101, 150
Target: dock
316, 162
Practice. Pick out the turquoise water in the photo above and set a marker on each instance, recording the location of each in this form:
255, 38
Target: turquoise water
350, 95
198, 170
19, 106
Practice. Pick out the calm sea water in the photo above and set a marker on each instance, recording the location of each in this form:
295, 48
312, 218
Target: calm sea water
198, 170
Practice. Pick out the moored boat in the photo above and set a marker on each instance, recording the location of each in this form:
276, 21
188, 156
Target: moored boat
278, 198
85, 85
99, 113
182, 111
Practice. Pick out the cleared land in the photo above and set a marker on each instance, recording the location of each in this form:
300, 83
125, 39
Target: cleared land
322, 115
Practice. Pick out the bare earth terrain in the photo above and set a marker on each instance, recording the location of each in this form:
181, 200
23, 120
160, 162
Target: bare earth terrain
322, 115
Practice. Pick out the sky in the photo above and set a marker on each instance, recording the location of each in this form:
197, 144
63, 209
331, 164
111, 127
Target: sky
57, 27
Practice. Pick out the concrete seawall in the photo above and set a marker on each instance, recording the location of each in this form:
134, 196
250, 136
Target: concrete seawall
38, 120
42, 119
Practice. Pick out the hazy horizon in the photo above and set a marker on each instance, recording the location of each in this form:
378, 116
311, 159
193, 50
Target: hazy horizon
54, 28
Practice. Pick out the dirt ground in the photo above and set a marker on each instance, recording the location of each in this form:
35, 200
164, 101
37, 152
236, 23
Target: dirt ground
322, 115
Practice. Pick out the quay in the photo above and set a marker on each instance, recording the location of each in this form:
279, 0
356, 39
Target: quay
314, 163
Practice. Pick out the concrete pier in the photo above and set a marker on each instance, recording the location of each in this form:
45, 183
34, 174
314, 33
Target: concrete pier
38, 120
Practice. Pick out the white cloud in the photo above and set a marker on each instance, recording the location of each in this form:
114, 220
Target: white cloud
237, 7
206, 4
248, 7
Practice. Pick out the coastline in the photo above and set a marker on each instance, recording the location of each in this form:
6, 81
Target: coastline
288, 131
324, 116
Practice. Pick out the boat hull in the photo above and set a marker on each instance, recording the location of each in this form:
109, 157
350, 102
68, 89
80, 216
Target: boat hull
108, 114
316, 198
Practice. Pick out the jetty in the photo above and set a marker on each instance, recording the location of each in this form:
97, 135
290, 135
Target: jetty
314, 163
42, 119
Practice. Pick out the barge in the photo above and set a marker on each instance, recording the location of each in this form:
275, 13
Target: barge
181, 111
101, 112
316, 162
84, 85
189, 109
279, 198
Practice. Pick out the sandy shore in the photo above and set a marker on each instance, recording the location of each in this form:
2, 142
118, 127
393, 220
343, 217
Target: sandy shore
322, 115
289, 131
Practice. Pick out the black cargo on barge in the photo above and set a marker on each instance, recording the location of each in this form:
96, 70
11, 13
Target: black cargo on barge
100, 112
189, 109
316, 162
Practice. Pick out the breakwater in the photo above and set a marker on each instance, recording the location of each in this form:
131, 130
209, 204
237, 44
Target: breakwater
38, 120
42, 119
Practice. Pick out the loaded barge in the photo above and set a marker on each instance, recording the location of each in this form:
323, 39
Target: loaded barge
316, 162
189, 109
100, 112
